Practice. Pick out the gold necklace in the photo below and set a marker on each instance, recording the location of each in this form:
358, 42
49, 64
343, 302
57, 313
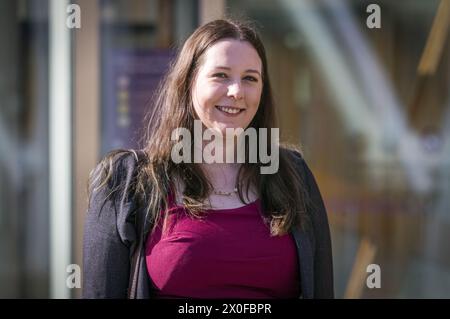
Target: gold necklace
221, 193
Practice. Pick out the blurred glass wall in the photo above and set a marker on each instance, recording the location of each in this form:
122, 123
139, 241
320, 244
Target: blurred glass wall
24, 141
369, 106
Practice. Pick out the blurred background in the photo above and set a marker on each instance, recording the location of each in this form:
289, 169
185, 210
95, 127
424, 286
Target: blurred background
369, 106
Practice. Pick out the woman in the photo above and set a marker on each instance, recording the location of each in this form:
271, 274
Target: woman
159, 228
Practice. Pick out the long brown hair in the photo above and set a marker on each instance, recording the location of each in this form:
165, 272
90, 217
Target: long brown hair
283, 196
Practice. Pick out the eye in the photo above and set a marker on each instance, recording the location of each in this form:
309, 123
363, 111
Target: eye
251, 78
220, 75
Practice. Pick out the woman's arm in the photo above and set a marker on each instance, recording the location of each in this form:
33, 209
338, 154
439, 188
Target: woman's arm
109, 234
323, 259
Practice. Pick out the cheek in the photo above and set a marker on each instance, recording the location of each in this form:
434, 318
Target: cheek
254, 97
208, 94
198, 97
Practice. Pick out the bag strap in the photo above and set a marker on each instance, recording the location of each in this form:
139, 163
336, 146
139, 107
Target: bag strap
135, 260
134, 271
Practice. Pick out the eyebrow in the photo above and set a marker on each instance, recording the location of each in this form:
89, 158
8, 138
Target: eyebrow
227, 68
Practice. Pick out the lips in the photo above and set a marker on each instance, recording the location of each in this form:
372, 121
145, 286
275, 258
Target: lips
229, 109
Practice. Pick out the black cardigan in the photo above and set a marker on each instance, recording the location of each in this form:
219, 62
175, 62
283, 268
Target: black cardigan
111, 235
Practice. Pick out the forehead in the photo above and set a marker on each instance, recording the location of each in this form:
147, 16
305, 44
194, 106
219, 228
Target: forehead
232, 53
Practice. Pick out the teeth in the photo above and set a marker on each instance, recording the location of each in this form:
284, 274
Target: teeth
229, 109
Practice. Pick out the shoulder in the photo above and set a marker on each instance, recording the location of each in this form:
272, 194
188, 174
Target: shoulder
113, 178
118, 160
111, 193
313, 200
116, 168
295, 155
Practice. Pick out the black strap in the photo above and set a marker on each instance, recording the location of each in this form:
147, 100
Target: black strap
134, 271
136, 256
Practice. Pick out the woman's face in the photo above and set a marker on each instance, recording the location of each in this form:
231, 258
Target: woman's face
227, 89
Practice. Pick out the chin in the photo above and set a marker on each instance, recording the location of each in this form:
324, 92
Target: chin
222, 128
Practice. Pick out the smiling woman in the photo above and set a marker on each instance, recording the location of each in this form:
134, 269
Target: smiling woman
227, 89
208, 230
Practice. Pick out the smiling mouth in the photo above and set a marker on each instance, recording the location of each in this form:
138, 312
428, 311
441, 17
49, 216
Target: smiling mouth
229, 110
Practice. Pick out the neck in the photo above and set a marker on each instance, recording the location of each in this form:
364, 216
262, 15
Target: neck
221, 174
215, 151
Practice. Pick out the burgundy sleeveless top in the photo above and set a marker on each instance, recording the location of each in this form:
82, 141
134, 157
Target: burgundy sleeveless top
228, 254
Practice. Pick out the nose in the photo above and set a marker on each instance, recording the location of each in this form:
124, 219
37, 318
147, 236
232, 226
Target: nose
235, 90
